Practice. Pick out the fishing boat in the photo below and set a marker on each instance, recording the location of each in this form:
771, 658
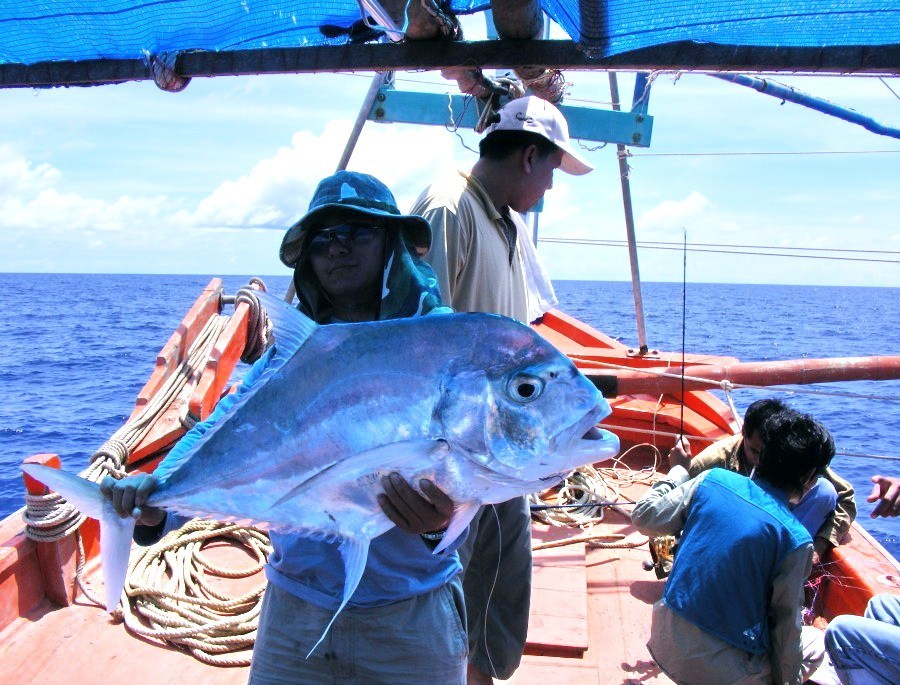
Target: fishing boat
595, 577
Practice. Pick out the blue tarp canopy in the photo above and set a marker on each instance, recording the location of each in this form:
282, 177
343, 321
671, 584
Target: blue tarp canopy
38, 38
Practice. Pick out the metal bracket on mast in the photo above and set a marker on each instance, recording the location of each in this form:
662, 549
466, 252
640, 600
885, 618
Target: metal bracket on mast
459, 111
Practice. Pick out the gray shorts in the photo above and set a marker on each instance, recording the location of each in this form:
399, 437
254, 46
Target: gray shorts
418, 641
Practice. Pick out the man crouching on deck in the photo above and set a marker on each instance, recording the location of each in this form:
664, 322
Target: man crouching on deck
730, 612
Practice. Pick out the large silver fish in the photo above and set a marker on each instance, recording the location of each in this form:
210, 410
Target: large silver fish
480, 404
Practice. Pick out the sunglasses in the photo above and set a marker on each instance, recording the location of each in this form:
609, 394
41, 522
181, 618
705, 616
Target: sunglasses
346, 235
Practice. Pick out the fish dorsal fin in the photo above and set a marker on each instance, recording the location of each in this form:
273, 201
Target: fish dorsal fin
292, 327
354, 552
462, 517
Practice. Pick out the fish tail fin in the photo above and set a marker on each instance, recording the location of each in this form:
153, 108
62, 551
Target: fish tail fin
354, 552
115, 532
81, 493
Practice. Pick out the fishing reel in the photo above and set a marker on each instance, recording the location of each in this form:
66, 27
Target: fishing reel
662, 554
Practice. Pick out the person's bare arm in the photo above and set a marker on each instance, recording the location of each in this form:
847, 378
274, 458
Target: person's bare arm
886, 492
786, 655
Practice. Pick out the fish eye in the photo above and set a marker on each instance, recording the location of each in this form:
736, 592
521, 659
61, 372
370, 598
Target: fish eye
525, 388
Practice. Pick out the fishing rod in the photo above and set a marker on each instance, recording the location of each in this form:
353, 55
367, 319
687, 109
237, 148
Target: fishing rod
683, 329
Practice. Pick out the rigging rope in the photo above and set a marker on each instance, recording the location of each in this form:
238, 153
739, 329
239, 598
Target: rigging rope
647, 243
49, 517
772, 153
670, 247
581, 500
216, 625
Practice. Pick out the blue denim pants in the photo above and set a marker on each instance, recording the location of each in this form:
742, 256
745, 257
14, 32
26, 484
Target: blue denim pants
866, 650
418, 641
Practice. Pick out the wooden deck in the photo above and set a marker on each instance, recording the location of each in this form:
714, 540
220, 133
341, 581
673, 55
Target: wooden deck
603, 594
589, 619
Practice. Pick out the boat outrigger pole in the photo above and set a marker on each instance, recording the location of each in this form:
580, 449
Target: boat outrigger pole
384, 21
676, 380
793, 95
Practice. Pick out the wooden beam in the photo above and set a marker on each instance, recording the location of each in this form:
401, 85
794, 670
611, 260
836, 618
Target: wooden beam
563, 54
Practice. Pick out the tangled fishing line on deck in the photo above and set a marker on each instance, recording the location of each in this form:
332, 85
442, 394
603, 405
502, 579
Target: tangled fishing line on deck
581, 500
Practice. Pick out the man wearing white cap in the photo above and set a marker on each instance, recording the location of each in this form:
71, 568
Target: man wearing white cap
485, 262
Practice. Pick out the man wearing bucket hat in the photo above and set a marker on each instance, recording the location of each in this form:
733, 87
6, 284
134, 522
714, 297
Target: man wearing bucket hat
485, 262
354, 259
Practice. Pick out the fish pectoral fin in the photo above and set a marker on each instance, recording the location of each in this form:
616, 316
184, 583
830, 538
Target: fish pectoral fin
318, 479
391, 457
462, 517
354, 552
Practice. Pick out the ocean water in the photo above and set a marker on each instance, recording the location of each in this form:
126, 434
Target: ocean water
77, 349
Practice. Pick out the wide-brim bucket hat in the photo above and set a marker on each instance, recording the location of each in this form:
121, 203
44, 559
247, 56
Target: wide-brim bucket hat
347, 196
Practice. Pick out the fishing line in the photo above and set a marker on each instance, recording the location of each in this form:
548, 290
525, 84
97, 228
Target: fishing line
487, 604
683, 326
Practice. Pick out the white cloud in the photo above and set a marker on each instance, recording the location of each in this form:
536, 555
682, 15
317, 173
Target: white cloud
673, 213
30, 201
58, 229
20, 177
276, 191
205, 182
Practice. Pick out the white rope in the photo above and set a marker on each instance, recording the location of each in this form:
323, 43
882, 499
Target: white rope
734, 412
167, 596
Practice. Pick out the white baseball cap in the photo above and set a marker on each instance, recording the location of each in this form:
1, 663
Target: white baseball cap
533, 114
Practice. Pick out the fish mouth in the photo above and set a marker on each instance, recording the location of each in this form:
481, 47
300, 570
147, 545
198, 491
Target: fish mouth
571, 438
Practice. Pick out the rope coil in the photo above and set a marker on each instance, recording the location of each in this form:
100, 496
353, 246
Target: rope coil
166, 596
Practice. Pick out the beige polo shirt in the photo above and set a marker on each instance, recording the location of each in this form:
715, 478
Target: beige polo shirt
469, 251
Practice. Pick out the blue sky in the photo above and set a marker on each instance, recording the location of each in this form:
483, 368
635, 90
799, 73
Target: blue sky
130, 179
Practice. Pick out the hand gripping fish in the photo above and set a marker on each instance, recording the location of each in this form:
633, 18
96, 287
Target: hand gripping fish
480, 404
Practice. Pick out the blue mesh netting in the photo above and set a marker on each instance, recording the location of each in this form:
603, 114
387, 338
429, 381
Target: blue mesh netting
618, 26
122, 29
131, 29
